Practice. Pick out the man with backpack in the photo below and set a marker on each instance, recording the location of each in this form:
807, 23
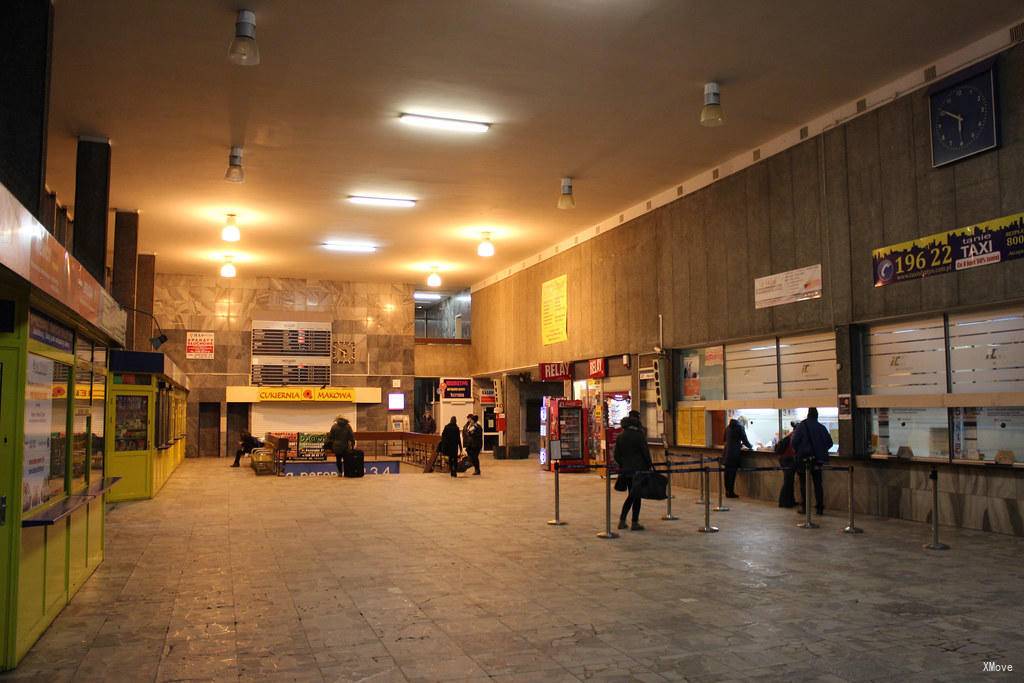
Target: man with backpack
812, 442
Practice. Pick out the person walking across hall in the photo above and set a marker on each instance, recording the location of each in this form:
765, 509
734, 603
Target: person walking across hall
812, 442
633, 457
735, 439
450, 445
473, 442
341, 440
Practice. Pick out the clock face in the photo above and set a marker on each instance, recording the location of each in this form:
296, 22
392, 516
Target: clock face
963, 118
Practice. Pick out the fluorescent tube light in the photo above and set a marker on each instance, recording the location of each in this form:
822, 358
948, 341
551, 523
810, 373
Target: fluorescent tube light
350, 247
426, 296
443, 123
381, 201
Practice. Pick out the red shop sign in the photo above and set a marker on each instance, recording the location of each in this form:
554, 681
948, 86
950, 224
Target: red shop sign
555, 371
597, 368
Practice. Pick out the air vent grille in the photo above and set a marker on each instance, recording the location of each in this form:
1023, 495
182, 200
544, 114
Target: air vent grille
1017, 33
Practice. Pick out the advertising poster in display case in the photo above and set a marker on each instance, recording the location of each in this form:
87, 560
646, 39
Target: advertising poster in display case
199, 345
691, 375
311, 446
38, 422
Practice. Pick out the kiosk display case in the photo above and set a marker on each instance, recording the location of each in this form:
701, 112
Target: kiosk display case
565, 425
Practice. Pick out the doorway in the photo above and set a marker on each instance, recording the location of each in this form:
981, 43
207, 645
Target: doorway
238, 422
209, 430
9, 413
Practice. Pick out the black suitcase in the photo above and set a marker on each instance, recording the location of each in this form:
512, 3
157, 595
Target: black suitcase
464, 465
352, 464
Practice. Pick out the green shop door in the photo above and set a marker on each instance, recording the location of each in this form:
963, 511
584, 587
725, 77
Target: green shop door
10, 410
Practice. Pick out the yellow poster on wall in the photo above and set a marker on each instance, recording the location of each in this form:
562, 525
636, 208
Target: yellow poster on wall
554, 310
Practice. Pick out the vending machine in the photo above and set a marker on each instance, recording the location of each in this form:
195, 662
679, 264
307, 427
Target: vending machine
564, 435
617, 405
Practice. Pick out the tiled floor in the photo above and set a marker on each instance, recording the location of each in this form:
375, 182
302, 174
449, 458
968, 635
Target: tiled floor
226, 576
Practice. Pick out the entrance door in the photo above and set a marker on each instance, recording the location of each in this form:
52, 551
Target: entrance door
9, 414
209, 430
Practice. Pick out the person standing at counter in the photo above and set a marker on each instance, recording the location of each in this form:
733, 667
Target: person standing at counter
787, 461
450, 445
811, 441
341, 441
735, 439
246, 445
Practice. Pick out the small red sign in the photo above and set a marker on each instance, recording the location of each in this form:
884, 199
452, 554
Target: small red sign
555, 371
597, 368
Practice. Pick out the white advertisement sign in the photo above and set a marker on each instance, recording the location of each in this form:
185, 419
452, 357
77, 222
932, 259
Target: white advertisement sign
785, 288
38, 423
199, 345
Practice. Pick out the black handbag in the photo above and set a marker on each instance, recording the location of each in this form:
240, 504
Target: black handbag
622, 483
652, 485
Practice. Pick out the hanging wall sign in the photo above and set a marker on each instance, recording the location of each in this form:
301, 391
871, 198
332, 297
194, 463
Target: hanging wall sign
788, 287
199, 345
554, 307
455, 389
555, 372
597, 368
1000, 239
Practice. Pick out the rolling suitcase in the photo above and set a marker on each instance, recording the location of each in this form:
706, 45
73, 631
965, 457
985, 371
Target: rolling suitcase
352, 464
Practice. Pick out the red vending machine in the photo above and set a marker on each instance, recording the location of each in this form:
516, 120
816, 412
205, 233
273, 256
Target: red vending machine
566, 435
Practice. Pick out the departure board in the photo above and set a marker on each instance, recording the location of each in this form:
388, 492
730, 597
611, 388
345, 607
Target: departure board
290, 352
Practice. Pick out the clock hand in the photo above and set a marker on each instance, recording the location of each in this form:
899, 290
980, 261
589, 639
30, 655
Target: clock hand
959, 119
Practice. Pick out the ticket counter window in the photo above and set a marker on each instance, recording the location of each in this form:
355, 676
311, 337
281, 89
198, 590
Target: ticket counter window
910, 432
989, 434
131, 421
827, 416
761, 425
45, 445
80, 424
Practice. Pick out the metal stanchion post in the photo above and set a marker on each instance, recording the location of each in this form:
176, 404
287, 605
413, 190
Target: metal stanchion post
808, 523
935, 544
557, 521
668, 464
668, 516
707, 528
607, 533
851, 528
721, 485
700, 498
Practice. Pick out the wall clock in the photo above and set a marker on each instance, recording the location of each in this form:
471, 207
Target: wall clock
963, 115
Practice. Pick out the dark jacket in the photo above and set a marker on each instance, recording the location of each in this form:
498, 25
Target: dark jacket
473, 439
784, 449
342, 439
735, 439
811, 441
451, 440
631, 453
250, 443
427, 425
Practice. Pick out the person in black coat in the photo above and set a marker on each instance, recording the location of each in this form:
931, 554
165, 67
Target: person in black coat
473, 441
247, 444
787, 461
340, 441
735, 439
812, 442
450, 445
632, 456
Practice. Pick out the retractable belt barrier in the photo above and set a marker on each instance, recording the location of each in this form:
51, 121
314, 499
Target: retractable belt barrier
669, 468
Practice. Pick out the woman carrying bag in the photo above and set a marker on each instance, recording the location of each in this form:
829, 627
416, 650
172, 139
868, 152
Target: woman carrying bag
633, 458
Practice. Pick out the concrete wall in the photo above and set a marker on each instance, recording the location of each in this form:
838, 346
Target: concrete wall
377, 318
442, 360
830, 200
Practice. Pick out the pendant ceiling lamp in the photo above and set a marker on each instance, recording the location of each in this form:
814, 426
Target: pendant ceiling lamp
228, 269
434, 279
486, 246
243, 50
230, 233
235, 172
711, 114
566, 200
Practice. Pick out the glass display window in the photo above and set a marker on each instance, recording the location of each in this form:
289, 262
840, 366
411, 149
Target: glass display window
701, 374
910, 432
827, 416
752, 370
45, 441
761, 425
989, 434
986, 351
97, 425
80, 428
131, 423
905, 358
